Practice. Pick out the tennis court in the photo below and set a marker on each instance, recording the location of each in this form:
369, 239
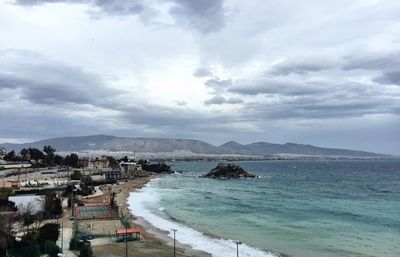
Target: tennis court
94, 212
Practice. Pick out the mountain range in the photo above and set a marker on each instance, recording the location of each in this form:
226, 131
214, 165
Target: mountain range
163, 145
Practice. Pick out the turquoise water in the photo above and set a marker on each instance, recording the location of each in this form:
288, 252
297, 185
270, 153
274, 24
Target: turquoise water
299, 208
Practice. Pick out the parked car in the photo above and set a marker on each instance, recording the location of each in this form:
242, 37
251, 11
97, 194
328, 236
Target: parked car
86, 237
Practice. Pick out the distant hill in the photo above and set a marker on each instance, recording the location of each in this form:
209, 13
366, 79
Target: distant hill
159, 145
263, 148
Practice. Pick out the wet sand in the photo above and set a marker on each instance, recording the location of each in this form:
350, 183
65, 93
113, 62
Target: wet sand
155, 243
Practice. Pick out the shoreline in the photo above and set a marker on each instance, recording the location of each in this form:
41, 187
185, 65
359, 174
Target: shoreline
156, 238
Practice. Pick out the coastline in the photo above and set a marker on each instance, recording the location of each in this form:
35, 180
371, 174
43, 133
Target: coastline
191, 242
157, 241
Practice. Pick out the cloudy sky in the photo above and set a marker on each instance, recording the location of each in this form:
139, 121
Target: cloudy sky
318, 72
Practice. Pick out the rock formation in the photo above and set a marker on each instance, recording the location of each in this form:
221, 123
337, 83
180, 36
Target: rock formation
228, 170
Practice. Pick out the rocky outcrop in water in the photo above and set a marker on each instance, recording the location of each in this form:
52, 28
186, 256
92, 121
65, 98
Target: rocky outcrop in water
156, 167
228, 170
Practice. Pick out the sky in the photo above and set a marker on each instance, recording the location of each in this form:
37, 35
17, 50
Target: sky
325, 73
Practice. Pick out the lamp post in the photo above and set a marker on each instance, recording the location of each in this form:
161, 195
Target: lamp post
126, 240
237, 247
174, 239
62, 237
73, 213
108, 246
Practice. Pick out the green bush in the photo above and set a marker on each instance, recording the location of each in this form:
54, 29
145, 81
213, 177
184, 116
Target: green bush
24, 251
51, 248
49, 231
86, 251
74, 244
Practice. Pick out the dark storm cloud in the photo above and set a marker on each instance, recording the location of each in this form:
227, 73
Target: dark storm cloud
45, 124
389, 77
42, 81
387, 63
373, 61
309, 108
340, 100
219, 100
302, 65
45, 93
7, 82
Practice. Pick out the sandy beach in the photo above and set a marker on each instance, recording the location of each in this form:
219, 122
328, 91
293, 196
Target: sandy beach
155, 242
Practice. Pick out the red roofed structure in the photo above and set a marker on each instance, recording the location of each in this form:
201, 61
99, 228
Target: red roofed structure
127, 231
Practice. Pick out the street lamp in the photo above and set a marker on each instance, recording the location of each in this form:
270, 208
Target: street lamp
62, 237
73, 212
237, 247
126, 238
174, 239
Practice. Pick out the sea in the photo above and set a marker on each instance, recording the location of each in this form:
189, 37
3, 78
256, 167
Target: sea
296, 208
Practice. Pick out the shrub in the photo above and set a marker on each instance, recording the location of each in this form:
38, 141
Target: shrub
86, 251
49, 232
51, 248
74, 244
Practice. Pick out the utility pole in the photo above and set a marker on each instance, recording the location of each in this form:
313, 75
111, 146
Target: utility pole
62, 237
126, 239
108, 246
73, 214
237, 247
174, 240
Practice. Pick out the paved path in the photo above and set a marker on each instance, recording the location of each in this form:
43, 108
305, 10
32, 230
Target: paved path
67, 235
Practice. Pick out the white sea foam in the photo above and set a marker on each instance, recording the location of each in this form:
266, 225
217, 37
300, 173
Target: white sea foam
140, 203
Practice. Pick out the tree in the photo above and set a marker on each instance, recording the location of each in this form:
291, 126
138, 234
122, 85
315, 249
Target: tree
7, 237
51, 248
5, 193
27, 214
86, 185
52, 205
72, 160
10, 156
87, 180
49, 232
25, 154
112, 200
86, 251
74, 244
124, 159
49, 150
59, 160
27, 246
77, 175
35, 154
